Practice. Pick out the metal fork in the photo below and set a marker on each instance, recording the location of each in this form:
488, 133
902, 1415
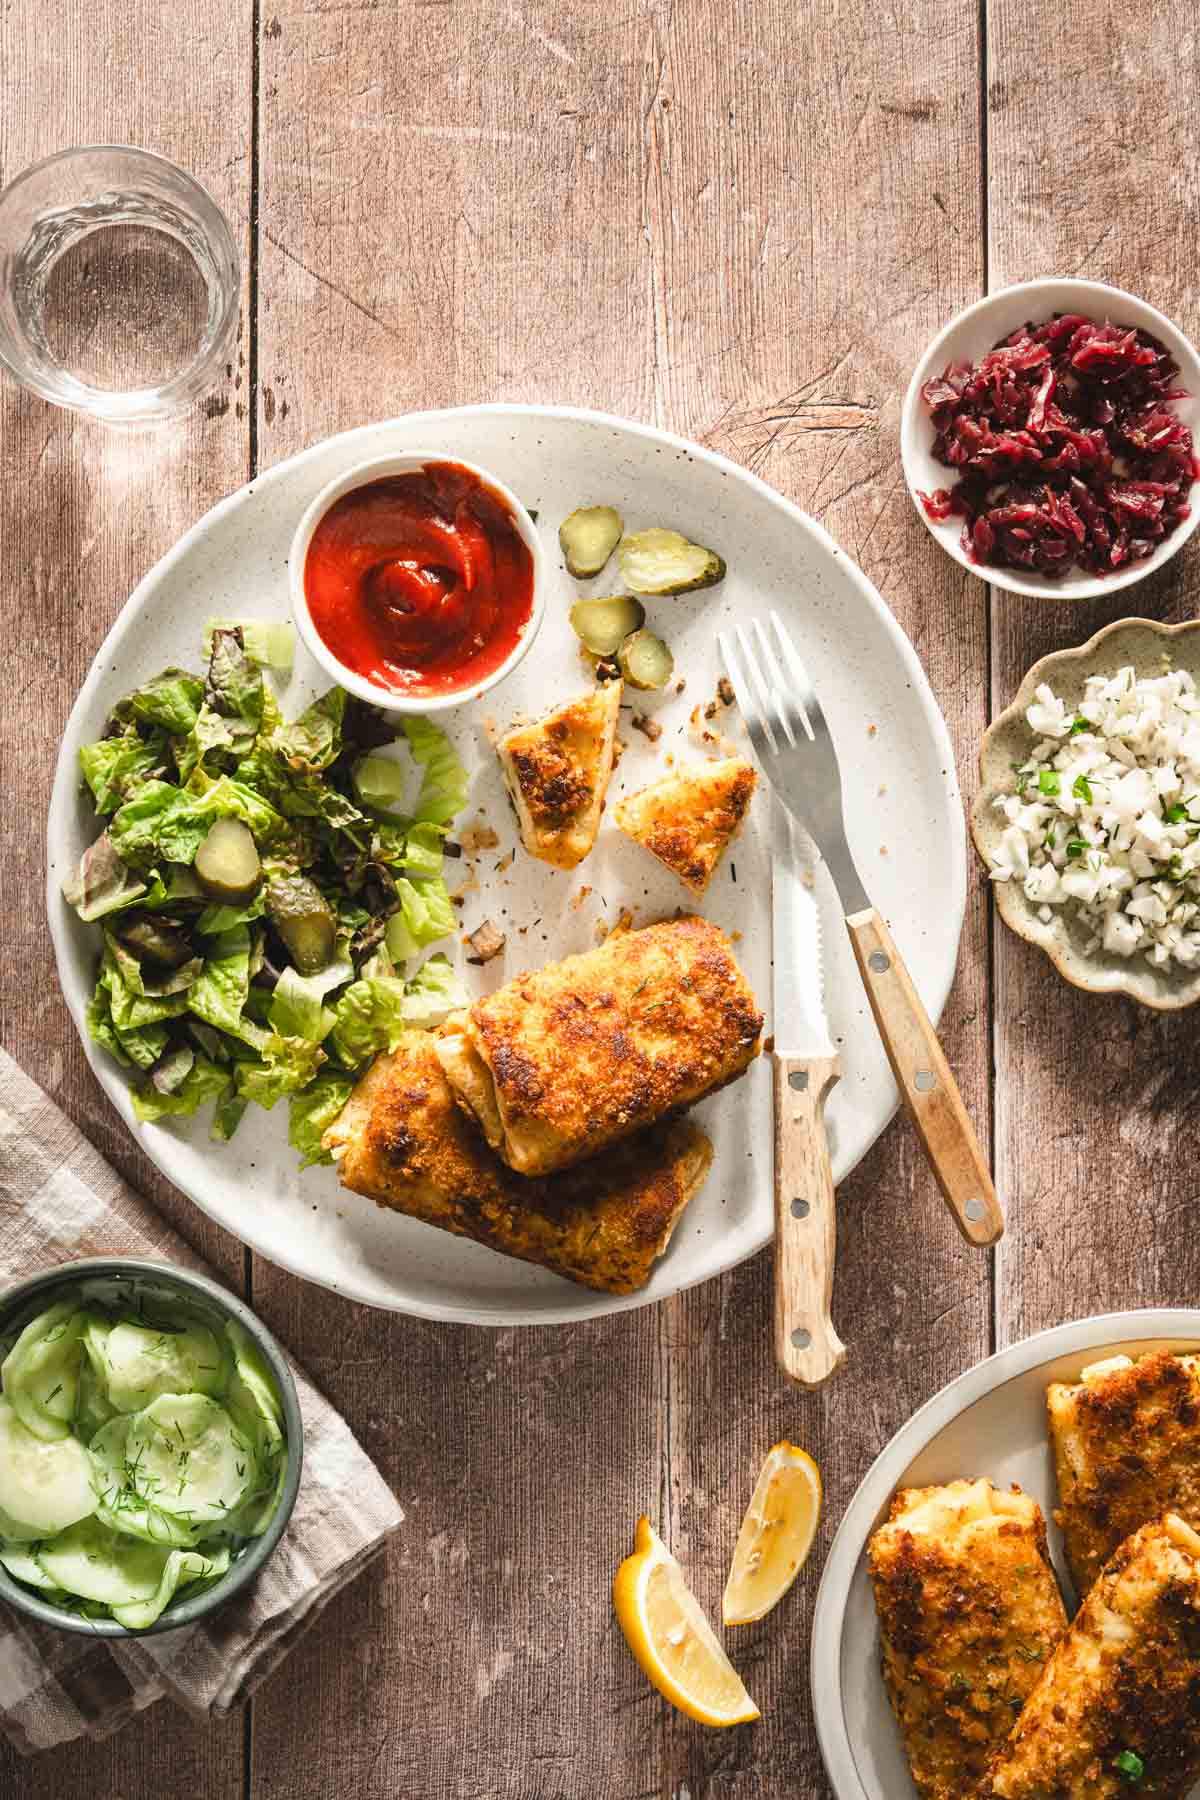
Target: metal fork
798, 756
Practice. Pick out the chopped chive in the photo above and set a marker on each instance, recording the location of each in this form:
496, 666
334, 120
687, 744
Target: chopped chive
1048, 781
1131, 1766
1077, 847
1078, 724
1177, 814
1082, 789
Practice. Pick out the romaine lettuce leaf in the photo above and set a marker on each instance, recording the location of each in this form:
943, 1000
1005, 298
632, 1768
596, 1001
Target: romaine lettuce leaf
369, 1017
103, 883
435, 990
171, 700
287, 1064
204, 1081
314, 740
223, 915
298, 1009
219, 993
116, 767
271, 644
171, 823
426, 909
380, 783
130, 1010
311, 1113
234, 687
444, 780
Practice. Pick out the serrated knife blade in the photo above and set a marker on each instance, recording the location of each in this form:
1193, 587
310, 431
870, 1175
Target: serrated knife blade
800, 1023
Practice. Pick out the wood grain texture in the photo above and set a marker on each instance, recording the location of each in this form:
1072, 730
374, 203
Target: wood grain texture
926, 1082
807, 1347
84, 512
742, 224
1096, 1098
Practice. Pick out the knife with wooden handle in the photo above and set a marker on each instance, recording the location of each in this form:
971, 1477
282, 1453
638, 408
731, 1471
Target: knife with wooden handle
807, 1347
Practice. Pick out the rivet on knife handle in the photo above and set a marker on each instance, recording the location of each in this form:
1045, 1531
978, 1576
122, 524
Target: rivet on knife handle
926, 1083
807, 1348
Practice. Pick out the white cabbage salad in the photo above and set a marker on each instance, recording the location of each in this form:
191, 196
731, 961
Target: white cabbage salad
1105, 818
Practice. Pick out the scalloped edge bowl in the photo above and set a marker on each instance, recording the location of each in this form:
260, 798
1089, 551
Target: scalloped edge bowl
976, 330
1007, 740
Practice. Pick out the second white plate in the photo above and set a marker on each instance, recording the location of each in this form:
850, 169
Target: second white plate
991, 1421
905, 818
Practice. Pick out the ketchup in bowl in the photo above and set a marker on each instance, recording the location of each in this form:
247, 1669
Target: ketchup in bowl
420, 583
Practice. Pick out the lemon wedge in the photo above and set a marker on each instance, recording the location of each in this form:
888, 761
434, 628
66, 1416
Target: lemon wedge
776, 1535
671, 1638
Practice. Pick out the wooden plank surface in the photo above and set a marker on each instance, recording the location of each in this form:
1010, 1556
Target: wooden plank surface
620, 217
1095, 1098
743, 224
84, 511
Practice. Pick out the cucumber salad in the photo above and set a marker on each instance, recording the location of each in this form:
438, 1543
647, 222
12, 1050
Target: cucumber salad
265, 888
142, 1445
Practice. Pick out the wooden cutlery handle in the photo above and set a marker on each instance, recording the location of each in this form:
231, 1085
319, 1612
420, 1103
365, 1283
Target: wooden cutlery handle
807, 1347
929, 1089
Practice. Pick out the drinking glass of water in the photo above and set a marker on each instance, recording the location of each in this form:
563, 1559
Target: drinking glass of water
119, 283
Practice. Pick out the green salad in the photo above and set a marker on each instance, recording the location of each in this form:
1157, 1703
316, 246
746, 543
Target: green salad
264, 887
142, 1444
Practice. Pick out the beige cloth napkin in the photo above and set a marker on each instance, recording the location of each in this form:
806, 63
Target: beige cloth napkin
60, 1200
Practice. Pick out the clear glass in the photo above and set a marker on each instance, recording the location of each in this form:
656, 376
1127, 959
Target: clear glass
119, 283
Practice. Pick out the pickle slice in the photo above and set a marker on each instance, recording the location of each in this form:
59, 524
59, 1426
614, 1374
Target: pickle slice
658, 561
603, 625
645, 661
588, 537
226, 864
304, 920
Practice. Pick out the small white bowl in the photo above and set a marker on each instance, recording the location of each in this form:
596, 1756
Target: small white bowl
969, 336
410, 462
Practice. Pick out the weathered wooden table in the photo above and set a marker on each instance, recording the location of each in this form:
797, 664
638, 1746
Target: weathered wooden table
743, 222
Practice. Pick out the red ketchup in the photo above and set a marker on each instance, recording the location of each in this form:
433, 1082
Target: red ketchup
420, 583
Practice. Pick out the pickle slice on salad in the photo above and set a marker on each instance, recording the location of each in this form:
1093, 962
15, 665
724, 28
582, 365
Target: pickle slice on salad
659, 561
304, 920
588, 537
603, 625
227, 864
645, 661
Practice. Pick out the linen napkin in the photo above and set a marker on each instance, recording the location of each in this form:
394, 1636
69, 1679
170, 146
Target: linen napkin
60, 1200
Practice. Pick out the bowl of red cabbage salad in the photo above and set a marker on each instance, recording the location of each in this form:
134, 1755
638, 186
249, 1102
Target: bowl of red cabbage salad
264, 888
1064, 450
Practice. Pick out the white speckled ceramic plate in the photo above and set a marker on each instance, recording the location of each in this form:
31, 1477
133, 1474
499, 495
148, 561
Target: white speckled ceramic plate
904, 800
991, 1421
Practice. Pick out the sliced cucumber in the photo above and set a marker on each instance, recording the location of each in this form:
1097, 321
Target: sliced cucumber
181, 1568
45, 1484
40, 1374
665, 562
588, 537
645, 661
126, 1501
603, 625
147, 1360
253, 1517
190, 1458
93, 1408
253, 1372
98, 1563
24, 1565
13, 1532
